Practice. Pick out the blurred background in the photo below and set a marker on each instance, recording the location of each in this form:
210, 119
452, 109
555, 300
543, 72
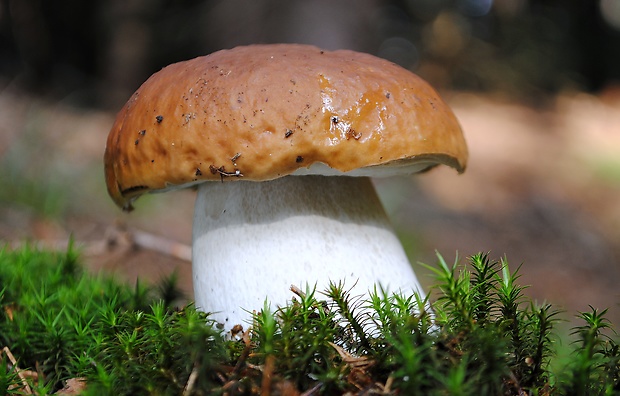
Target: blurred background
535, 85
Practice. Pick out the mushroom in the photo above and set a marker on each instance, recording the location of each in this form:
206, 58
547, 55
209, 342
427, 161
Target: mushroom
281, 141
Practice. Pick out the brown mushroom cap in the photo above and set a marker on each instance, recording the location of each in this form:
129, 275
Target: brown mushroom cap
264, 111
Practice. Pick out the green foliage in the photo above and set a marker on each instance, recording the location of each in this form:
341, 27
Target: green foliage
8, 379
595, 367
480, 336
299, 336
124, 340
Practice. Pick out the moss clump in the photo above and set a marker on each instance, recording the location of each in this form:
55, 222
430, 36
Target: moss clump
480, 336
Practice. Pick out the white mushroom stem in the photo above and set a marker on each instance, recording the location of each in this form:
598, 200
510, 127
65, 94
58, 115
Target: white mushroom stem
253, 240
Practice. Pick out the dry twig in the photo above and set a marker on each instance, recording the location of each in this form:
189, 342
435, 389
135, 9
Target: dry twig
22, 374
118, 237
189, 386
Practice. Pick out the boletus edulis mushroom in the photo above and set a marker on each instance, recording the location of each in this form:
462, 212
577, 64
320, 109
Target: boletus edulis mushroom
281, 142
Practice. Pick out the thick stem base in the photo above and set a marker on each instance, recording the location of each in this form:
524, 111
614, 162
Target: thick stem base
252, 241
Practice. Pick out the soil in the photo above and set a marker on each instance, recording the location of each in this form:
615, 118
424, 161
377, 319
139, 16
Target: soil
542, 188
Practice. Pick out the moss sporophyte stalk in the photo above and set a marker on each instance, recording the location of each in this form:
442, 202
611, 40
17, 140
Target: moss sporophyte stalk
478, 334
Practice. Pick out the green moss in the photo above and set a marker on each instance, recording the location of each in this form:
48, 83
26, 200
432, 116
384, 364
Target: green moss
481, 337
